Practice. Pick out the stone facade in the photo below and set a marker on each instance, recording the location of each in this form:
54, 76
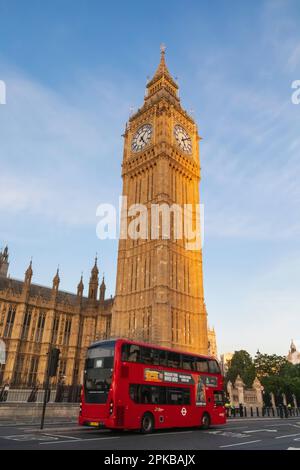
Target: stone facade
248, 397
294, 355
225, 361
34, 318
159, 288
212, 342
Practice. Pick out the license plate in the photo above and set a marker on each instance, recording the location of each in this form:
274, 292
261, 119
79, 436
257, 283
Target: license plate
94, 423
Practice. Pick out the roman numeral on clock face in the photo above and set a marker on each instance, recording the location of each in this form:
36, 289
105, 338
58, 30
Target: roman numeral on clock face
141, 138
183, 139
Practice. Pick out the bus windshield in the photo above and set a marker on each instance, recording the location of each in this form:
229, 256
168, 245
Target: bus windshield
98, 372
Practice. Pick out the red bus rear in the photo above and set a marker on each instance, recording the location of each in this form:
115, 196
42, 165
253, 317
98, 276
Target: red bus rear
132, 385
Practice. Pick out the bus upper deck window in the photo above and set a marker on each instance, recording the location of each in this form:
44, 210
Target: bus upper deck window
147, 355
134, 353
213, 367
201, 364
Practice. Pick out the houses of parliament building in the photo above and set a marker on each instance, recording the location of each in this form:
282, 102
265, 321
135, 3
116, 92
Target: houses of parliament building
159, 286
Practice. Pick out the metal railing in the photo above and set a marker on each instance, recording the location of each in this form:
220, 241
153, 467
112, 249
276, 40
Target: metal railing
281, 411
61, 394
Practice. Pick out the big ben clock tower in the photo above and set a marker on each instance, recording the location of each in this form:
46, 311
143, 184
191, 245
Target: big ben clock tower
159, 289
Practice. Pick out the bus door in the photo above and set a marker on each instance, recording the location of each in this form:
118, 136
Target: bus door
218, 403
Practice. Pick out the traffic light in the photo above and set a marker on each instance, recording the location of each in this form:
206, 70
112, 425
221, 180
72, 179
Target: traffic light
53, 361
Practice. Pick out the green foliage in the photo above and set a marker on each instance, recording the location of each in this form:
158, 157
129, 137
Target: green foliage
290, 370
276, 374
278, 385
266, 365
241, 364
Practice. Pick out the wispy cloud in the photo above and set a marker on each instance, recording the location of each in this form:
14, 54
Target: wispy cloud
251, 146
56, 149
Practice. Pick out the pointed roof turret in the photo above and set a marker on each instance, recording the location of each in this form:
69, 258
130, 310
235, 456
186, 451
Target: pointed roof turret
162, 70
4, 264
29, 272
80, 287
293, 347
95, 270
56, 280
5, 253
162, 81
28, 277
94, 281
102, 289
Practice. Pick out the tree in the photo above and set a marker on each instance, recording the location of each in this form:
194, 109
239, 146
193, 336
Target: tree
290, 370
267, 365
241, 364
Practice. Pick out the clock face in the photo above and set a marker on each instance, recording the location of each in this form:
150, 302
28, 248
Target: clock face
183, 139
141, 138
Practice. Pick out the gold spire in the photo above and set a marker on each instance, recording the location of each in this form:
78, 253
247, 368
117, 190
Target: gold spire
162, 70
56, 279
95, 270
80, 286
29, 271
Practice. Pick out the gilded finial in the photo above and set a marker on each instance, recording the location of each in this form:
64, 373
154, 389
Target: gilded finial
163, 48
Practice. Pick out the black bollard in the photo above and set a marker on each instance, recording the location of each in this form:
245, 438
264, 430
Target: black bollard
281, 411
251, 411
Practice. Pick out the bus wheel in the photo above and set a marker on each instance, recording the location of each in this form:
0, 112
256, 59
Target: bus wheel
205, 421
147, 425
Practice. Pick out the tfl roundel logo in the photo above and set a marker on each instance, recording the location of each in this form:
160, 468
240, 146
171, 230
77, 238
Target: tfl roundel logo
183, 411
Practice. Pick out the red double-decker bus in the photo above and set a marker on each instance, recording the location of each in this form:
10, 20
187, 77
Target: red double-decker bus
132, 385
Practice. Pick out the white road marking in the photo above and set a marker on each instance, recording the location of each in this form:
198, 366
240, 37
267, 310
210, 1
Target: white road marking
288, 435
64, 436
218, 431
237, 427
79, 440
29, 437
240, 444
293, 448
283, 424
230, 434
260, 430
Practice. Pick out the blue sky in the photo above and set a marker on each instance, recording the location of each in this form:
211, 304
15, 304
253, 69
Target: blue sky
73, 71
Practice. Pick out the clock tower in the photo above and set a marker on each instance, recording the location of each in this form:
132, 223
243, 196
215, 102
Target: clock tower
159, 289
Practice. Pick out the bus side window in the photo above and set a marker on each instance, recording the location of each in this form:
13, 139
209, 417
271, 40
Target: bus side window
134, 353
178, 396
135, 393
162, 395
146, 356
201, 364
163, 358
219, 398
146, 394
155, 395
188, 362
155, 357
173, 360
125, 352
213, 367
